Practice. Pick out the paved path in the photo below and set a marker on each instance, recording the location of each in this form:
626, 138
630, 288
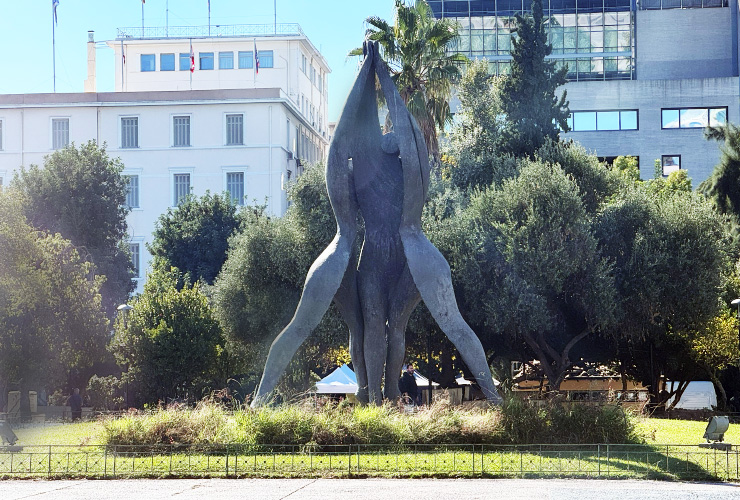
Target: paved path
360, 489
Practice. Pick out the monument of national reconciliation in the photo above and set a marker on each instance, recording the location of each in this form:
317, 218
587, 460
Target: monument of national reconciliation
383, 178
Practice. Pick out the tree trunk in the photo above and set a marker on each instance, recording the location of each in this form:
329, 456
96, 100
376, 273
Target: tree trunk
719, 389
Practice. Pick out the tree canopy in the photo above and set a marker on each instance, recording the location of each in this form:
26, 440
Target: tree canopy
51, 320
169, 343
80, 193
193, 237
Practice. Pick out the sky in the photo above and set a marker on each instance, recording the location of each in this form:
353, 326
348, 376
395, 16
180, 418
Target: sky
334, 26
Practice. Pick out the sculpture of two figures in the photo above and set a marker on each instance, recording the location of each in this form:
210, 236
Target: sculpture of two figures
383, 178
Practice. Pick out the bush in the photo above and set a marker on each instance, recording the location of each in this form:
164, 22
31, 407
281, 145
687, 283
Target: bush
516, 422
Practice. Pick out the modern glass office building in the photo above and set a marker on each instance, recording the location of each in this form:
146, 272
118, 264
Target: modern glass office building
635, 67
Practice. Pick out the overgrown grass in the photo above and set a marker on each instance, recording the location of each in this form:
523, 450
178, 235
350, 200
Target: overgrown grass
516, 422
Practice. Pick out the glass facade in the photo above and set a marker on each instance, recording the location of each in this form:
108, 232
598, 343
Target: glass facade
594, 38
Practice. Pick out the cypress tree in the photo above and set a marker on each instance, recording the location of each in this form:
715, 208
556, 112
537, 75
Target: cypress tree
533, 112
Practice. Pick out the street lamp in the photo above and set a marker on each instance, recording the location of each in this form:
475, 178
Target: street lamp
125, 308
736, 303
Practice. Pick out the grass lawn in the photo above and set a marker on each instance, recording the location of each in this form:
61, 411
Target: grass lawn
79, 433
665, 431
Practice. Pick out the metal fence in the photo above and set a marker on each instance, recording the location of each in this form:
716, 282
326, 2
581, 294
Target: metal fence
599, 460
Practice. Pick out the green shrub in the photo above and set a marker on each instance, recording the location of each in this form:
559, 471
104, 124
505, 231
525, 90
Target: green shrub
516, 422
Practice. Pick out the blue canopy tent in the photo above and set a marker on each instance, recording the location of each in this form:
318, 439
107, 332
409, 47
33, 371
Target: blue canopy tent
340, 381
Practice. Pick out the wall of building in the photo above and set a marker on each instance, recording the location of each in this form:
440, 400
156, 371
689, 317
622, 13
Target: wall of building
265, 158
698, 156
290, 56
684, 43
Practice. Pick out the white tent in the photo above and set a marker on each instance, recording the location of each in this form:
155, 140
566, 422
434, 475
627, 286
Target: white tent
340, 381
699, 395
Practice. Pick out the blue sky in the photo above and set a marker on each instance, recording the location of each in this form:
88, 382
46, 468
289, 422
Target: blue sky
334, 26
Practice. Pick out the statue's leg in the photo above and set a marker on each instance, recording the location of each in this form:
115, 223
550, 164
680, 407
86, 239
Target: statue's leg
432, 277
373, 301
348, 304
403, 301
322, 283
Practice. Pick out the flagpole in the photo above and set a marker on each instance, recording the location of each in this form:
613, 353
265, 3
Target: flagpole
209, 17
142, 19
167, 18
274, 9
54, 48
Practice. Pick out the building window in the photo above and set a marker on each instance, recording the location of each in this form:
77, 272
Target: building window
266, 60
246, 59
225, 60
181, 185
167, 62
234, 130
670, 163
206, 60
235, 186
132, 191
135, 259
303, 63
148, 62
693, 117
681, 4
1, 135
184, 62
59, 133
584, 121
130, 132
181, 131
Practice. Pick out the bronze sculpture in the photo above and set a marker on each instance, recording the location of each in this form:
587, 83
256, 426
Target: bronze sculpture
383, 178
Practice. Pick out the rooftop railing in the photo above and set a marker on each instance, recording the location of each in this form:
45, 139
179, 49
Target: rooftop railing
213, 31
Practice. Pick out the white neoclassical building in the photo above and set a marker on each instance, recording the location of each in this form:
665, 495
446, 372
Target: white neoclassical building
235, 109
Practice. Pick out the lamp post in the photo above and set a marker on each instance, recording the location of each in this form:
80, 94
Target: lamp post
124, 309
736, 303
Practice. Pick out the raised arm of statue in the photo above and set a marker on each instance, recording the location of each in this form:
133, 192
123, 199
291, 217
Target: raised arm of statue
429, 269
328, 270
411, 145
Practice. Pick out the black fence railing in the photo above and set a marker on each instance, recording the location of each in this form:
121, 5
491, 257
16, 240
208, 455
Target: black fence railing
598, 460
225, 31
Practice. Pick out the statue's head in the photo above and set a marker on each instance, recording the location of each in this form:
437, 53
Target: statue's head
389, 144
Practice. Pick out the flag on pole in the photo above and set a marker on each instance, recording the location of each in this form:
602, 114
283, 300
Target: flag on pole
192, 57
54, 5
256, 58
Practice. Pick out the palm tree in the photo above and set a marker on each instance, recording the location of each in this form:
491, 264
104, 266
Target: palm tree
415, 49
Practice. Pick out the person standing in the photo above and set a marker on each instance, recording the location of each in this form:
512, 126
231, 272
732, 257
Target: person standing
75, 404
407, 385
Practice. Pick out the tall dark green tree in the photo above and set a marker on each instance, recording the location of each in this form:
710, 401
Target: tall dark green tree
415, 47
80, 193
722, 188
533, 111
194, 236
